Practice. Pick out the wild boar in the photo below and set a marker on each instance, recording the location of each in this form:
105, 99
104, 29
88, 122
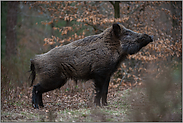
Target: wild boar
94, 57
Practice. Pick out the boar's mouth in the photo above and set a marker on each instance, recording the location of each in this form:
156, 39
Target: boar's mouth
135, 46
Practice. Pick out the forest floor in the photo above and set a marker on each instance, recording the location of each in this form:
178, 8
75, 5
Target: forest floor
74, 103
70, 103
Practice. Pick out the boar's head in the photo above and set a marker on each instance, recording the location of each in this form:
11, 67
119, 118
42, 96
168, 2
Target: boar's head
131, 42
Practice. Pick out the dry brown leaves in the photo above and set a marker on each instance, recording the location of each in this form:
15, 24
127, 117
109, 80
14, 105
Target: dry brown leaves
16, 103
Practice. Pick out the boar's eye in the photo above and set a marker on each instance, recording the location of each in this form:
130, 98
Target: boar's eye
127, 33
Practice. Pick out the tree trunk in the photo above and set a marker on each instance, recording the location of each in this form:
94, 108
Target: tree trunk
52, 33
116, 8
11, 29
176, 9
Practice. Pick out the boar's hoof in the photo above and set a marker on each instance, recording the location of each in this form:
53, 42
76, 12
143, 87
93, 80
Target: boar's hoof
41, 105
105, 104
97, 102
35, 106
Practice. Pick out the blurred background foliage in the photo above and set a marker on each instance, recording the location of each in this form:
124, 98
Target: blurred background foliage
29, 28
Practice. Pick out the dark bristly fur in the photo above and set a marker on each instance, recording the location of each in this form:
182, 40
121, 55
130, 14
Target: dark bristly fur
95, 57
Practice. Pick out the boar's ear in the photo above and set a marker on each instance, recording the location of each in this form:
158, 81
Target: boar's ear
116, 29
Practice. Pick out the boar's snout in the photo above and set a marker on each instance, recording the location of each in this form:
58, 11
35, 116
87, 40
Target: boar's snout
152, 37
145, 38
148, 37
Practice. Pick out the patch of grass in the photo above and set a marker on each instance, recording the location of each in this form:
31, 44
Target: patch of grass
72, 115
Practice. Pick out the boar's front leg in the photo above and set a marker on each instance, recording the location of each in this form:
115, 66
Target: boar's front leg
98, 81
101, 87
98, 95
105, 91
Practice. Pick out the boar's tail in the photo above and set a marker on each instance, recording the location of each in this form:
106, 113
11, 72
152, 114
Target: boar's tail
33, 72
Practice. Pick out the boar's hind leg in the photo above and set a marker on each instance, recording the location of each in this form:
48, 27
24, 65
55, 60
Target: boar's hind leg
41, 101
38, 90
37, 96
